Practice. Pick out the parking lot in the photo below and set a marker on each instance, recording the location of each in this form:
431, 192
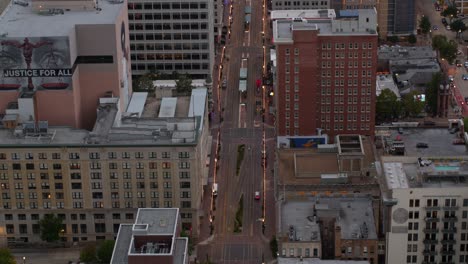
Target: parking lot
46, 256
439, 141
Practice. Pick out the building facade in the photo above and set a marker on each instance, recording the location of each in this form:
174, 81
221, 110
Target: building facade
97, 180
299, 5
325, 73
69, 55
168, 36
427, 213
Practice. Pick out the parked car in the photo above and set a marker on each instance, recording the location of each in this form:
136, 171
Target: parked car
450, 78
400, 130
429, 123
435, 27
422, 145
448, 27
465, 77
458, 63
257, 196
444, 21
466, 64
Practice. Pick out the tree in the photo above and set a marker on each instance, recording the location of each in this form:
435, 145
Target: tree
431, 93
387, 105
412, 39
425, 24
447, 48
438, 41
143, 83
465, 123
184, 84
274, 247
393, 39
450, 11
51, 227
458, 26
88, 254
411, 104
104, 251
6, 257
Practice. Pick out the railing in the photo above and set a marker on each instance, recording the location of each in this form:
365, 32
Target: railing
430, 241
431, 230
431, 219
448, 241
449, 230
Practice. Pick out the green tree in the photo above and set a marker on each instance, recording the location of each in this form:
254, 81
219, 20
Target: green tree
450, 12
104, 251
184, 84
411, 105
425, 25
88, 254
143, 83
458, 26
274, 247
465, 123
447, 48
431, 93
393, 39
51, 227
412, 39
6, 257
438, 41
387, 105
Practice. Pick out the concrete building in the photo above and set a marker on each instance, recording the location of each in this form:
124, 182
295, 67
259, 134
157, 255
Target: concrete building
318, 261
411, 66
300, 5
170, 35
385, 81
325, 73
462, 5
63, 55
427, 215
218, 11
329, 228
153, 238
153, 154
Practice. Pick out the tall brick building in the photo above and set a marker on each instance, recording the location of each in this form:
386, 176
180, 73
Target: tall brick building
325, 72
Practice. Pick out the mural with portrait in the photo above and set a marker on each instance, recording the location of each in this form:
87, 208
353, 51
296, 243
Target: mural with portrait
35, 63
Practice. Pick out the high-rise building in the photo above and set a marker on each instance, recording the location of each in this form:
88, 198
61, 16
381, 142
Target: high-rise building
153, 154
325, 72
57, 58
153, 238
172, 35
427, 213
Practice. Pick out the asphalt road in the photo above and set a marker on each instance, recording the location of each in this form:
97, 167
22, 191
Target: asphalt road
242, 124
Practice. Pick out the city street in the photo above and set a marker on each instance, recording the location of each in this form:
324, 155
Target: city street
238, 122
460, 91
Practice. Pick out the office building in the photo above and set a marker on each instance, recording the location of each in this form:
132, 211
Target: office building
427, 213
153, 238
62, 55
325, 73
218, 9
299, 5
169, 35
318, 261
153, 154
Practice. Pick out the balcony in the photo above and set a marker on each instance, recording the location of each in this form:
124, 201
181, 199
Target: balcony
450, 230
429, 253
448, 241
447, 252
431, 219
450, 219
431, 230
430, 241
452, 208
432, 208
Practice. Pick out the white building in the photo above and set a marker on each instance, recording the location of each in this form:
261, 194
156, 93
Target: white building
427, 201
172, 35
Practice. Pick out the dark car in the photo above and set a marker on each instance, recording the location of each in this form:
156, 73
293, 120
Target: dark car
429, 123
444, 21
422, 145
458, 63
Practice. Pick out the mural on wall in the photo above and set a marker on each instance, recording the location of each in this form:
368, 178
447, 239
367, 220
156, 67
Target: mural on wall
301, 141
37, 63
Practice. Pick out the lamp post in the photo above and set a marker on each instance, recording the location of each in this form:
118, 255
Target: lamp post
24, 260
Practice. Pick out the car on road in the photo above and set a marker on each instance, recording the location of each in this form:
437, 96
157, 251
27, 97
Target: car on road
444, 21
466, 64
422, 145
458, 63
450, 78
257, 196
448, 27
400, 130
465, 77
224, 84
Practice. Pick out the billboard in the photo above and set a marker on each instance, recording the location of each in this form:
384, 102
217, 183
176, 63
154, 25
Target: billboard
36, 63
301, 141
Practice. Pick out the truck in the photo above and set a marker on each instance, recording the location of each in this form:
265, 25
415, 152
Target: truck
243, 76
215, 189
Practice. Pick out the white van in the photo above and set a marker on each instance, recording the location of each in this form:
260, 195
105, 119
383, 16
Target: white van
215, 189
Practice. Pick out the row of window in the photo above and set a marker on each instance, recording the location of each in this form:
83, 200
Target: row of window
169, 66
95, 165
340, 126
435, 202
341, 109
351, 64
168, 16
350, 45
341, 91
341, 73
166, 56
341, 82
351, 55
322, 4
341, 99
95, 155
167, 6
350, 117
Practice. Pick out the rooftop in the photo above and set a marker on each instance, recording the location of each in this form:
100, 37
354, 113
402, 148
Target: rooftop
21, 21
397, 52
161, 221
386, 82
111, 128
318, 261
306, 14
354, 216
325, 22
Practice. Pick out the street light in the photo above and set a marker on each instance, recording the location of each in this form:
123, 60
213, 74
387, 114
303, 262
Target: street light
24, 260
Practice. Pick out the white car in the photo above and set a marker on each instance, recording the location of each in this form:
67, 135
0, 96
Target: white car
257, 196
450, 77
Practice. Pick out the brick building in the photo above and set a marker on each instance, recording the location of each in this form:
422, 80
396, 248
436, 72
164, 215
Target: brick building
326, 72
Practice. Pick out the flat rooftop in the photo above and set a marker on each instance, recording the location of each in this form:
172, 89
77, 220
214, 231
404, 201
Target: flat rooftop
124, 238
318, 261
161, 221
20, 21
353, 215
307, 14
397, 52
183, 129
386, 82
